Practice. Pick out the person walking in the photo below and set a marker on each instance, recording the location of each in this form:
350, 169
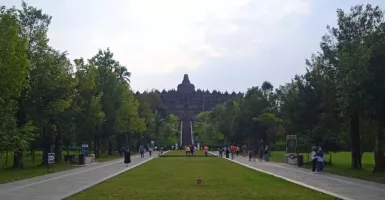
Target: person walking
261, 150
320, 160
127, 156
220, 149
314, 158
266, 154
192, 150
227, 150
187, 150
233, 150
141, 151
250, 153
150, 151
206, 149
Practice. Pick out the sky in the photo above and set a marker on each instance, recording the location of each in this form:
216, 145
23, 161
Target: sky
225, 45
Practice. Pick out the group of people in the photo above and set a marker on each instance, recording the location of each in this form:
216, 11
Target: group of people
190, 149
317, 156
232, 150
229, 150
141, 150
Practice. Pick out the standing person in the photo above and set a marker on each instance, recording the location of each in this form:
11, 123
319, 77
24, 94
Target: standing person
233, 150
150, 151
266, 154
141, 151
314, 158
320, 160
261, 150
206, 149
244, 150
250, 152
192, 150
127, 156
220, 149
187, 150
227, 150
161, 150
238, 150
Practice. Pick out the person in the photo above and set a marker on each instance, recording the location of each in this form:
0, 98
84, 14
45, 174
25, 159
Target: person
233, 150
220, 149
314, 158
141, 151
266, 154
150, 151
161, 150
320, 160
127, 156
244, 150
227, 150
206, 148
261, 153
187, 150
192, 150
238, 150
250, 152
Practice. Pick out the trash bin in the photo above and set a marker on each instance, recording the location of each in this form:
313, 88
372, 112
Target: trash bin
300, 160
81, 159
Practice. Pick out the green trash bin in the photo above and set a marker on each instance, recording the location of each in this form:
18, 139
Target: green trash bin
300, 160
81, 159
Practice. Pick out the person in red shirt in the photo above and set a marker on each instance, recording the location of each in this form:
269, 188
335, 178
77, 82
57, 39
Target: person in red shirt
233, 150
206, 149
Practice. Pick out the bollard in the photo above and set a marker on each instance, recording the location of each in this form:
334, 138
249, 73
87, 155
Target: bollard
199, 180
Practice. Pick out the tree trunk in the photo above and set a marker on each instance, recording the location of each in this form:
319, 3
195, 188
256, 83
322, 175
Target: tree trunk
95, 146
379, 153
46, 148
355, 140
110, 148
58, 148
33, 156
18, 160
6, 159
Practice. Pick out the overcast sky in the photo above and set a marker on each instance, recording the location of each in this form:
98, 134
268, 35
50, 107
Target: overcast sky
222, 44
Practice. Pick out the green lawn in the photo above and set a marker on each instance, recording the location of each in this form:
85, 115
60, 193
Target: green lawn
341, 165
7, 174
175, 178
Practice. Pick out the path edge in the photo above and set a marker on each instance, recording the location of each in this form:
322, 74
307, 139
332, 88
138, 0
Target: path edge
290, 180
107, 177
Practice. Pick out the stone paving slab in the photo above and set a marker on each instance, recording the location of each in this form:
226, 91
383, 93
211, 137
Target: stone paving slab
66, 183
334, 185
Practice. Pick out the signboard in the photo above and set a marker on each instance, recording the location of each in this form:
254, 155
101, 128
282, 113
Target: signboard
51, 158
291, 144
85, 145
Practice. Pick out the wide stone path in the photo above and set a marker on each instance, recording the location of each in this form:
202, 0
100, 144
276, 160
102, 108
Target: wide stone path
66, 183
338, 186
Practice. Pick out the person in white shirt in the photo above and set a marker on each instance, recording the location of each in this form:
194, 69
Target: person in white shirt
314, 158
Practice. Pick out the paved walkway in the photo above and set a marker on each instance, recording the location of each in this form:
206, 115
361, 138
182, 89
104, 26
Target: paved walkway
338, 186
66, 183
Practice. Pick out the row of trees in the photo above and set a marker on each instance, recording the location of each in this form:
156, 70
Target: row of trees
338, 103
49, 103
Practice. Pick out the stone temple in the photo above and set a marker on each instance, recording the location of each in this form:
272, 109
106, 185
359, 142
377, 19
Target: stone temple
186, 103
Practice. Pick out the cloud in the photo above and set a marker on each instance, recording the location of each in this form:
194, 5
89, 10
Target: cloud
159, 37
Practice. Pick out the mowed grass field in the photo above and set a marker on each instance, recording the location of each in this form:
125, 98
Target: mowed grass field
175, 178
341, 163
33, 169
